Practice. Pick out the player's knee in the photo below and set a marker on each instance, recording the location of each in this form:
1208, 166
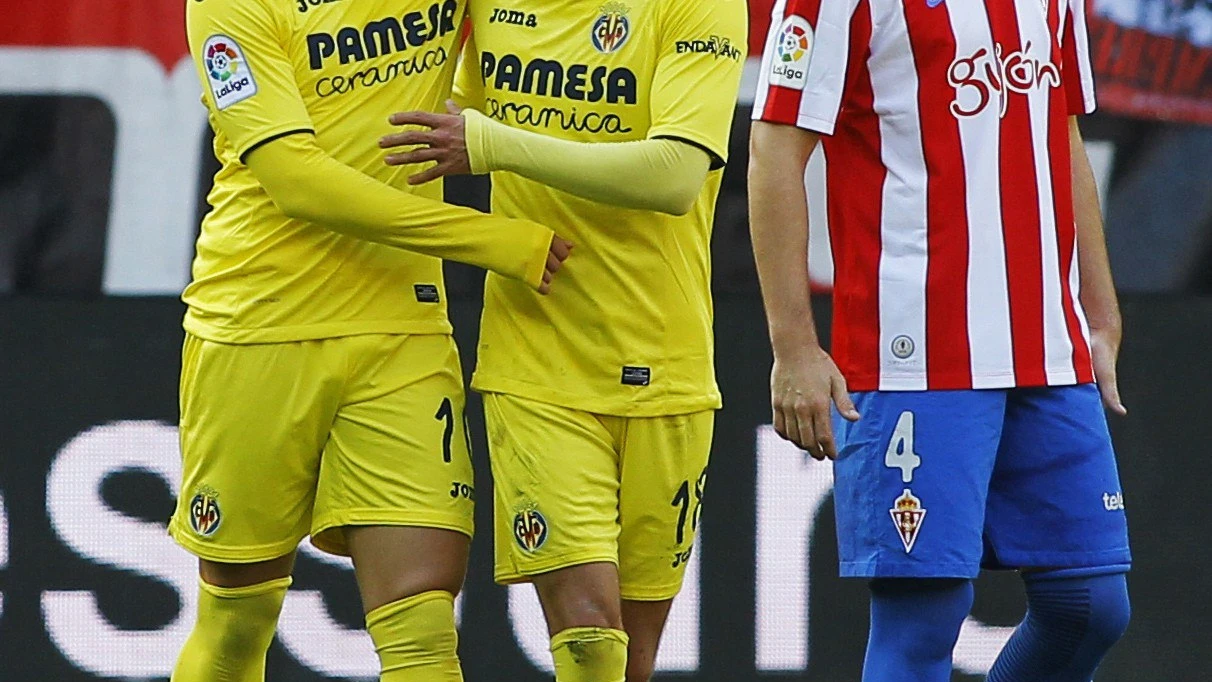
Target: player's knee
241, 637
581, 597
587, 609
590, 654
922, 616
1110, 612
394, 563
1081, 613
416, 638
234, 629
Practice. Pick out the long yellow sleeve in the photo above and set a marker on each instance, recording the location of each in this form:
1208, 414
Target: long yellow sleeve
662, 175
307, 184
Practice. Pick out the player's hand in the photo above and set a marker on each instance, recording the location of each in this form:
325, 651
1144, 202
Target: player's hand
445, 142
802, 390
557, 253
1104, 351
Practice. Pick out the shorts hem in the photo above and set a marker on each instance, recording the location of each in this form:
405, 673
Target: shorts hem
663, 593
897, 569
515, 575
246, 554
379, 517
1016, 560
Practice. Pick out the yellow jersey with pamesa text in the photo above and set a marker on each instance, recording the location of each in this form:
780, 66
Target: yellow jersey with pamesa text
339, 68
627, 329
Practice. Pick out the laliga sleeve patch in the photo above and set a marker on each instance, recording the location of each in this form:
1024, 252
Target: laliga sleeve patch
231, 80
792, 51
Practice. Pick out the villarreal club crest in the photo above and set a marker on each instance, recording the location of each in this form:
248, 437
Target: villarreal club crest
530, 529
612, 28
204, 514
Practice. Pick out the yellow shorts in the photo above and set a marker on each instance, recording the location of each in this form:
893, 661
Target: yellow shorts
574, 488
283, 440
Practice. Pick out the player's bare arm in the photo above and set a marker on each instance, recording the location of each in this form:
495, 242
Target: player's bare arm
804, 382
467, 141
1097, 287
308, 185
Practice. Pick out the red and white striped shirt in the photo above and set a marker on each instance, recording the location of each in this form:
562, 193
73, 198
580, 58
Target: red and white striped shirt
949, 195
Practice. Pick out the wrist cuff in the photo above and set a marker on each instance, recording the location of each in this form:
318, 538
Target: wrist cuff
475, 126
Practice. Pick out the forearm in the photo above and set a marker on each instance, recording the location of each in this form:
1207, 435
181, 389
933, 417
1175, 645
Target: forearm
778, 223
654, 175
1098, 296
309, 185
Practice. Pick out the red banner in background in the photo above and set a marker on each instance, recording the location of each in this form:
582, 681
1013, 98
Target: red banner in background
759, 26
155, 26
1153, 58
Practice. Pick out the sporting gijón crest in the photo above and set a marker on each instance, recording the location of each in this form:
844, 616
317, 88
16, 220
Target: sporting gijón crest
908, 514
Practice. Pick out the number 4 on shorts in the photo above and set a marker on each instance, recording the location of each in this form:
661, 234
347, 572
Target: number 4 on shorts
900, 453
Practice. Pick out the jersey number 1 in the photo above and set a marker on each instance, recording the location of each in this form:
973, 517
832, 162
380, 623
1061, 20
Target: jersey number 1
900, 453
446, 414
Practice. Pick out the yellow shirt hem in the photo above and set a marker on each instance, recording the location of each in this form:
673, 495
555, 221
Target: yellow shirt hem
309, 332
616, 407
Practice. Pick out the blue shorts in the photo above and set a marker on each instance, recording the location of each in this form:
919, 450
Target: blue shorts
943, 483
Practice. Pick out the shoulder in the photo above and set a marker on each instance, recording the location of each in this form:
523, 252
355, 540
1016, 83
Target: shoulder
722, 17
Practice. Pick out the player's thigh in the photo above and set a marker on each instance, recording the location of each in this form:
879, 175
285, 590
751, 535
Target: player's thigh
395, 562
556, 487
222, 574
1055, 499
398, 452
253, 421
664, 464
911, 479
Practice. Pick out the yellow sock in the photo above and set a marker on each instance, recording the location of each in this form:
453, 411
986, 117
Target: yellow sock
416, 639
232, 633
590, 655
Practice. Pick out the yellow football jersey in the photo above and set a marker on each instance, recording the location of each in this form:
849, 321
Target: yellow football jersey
627, 329
338, 68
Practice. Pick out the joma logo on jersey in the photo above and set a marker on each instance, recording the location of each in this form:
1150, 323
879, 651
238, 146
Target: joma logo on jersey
550, 78
513, 17
383, 37
979, 78
716, 45
304, 5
